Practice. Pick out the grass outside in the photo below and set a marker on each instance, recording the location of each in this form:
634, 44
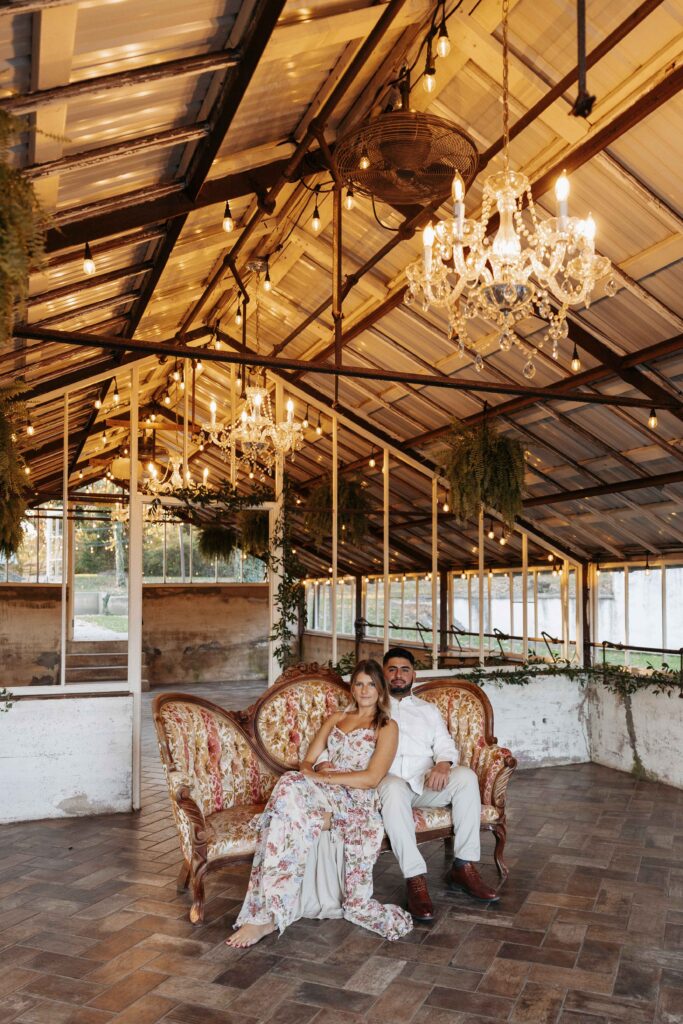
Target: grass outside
116, 623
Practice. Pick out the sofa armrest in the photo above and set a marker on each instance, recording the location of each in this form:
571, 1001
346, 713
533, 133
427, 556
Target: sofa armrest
494, 765
189, 817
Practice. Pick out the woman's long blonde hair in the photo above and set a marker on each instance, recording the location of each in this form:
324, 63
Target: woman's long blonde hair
373, 669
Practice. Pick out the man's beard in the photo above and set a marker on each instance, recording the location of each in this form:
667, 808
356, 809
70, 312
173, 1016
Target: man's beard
400, 691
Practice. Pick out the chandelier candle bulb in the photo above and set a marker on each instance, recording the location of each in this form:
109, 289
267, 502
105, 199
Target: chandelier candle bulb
562, 196
428, 243
458, 190
290, 410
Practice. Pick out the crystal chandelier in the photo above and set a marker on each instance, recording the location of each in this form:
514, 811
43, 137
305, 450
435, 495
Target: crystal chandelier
260, 439
531, 267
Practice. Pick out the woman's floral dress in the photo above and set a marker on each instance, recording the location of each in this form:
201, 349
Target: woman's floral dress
291, 824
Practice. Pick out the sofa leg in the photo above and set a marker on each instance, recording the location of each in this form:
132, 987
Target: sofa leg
500, 832
183, 879
449, 847
197, 908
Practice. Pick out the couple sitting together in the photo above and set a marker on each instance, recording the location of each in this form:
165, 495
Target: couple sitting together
365, 770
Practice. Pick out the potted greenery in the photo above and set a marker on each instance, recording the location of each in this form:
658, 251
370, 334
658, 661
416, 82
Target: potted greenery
353, 509
485, 469
218, 541
22, 230
12, 472
253, 529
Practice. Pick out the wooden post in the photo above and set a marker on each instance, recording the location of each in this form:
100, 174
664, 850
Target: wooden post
65, 541
444, 610
335, 536
135, 586
387, 587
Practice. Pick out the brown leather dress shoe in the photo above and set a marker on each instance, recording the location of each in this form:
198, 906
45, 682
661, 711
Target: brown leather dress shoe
419, 904
467, 879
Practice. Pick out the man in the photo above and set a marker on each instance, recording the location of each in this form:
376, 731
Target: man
425, 774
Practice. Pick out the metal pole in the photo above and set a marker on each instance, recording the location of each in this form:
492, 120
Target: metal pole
435, 570
385, 466
135, 588
525, 585
481, 586
65, 540
335, 535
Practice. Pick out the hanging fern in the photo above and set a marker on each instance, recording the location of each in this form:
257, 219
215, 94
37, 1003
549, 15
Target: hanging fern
22, 231
253, 528
485, 470
216, 541
12, 475
353, 510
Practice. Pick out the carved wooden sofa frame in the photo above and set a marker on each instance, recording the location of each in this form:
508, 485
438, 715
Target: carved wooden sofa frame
221, 765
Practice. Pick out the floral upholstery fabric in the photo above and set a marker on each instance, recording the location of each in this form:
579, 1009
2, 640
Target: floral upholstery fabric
488, 762
234, 832
463, 715
287, 723
214, 758
428, 818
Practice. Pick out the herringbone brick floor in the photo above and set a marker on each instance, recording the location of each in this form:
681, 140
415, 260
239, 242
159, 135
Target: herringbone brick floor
589, 929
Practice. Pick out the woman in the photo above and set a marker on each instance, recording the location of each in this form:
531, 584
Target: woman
341, 797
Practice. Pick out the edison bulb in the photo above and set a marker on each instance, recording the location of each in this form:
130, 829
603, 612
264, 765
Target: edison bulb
652, 419
576, 362
443, 45
364, 161
315, 223
349, 201
429, 81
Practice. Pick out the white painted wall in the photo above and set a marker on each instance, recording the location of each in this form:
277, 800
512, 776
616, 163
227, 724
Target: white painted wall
544, 723
655, 744
66, 757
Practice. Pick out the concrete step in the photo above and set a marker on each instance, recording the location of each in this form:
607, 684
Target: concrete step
92, 674
97, 646
95, 659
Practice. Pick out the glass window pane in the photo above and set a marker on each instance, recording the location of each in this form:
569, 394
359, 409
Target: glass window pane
674, 606
611, 611
153, 553
424, 608
202, 568
461, 613
645, 614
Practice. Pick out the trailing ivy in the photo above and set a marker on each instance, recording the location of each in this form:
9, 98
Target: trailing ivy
22, 230
289, 594
353, 510
254, 530
615, 678
12, 471
204, 506
218, 541
485, 470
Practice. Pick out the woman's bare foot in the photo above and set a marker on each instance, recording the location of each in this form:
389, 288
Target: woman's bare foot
249, 935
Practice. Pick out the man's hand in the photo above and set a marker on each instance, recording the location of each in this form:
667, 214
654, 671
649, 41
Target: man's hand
324, 766
437, 777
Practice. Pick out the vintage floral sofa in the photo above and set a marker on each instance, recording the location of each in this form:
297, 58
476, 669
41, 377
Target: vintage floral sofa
221, 766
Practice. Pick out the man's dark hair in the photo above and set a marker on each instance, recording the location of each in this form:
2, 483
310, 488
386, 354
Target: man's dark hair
399, 652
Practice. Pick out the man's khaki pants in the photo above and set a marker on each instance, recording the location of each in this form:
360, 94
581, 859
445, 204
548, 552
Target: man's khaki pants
397, 800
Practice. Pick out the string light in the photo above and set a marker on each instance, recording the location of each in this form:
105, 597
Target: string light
167, 399
267, 284
228, 222
503, 540
319, 427
238, 315
492, 533
364, 161
88, 261
349, 201
551, 557
27, 470
30, 429
315, 223
652, 419
443, 43
429, 77
446, 506
576, 361
304, 422
371, 462
116, 396
98, 403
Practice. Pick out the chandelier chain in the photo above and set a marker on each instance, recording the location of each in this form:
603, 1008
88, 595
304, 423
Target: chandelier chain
506, 98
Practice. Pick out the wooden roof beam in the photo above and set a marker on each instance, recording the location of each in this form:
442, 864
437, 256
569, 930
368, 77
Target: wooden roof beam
658, 481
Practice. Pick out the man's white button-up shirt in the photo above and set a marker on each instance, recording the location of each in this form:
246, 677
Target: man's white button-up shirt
423, 740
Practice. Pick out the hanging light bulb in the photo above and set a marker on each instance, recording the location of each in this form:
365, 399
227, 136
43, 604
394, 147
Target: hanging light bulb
30, 430
88, 261
443, 43
429, 77
652, 419
349, 201
576, 361
116, 395
98, 403
167, 399
315, 223
503, 540
228, 222
238, 315
304, 422
364, 161
319, 428
446, 506
551, 557
176, 373
267, 284
492, 533
80, 474
372, 463
647, 563
199, 367
27, 470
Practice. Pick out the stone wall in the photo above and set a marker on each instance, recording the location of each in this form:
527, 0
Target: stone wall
201, 634
66, 756
30, 620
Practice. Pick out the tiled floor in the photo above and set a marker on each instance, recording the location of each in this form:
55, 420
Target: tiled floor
589, 929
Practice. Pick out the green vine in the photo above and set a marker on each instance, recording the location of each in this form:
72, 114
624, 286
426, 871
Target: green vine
485, 470
353, 510
22, 231
289, 594
254, 530
615, 678
218, 541
204, 506
12, 471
